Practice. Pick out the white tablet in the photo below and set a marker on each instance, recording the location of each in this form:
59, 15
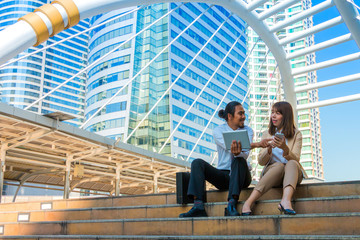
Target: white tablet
238, 135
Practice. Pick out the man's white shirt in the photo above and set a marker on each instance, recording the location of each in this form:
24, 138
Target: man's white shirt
225, 156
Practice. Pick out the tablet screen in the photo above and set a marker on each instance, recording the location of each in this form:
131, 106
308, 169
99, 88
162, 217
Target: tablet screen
238, 135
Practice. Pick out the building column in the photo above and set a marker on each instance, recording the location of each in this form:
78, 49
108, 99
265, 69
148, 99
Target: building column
2, 168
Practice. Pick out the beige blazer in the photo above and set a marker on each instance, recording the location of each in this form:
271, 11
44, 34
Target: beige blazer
294, 144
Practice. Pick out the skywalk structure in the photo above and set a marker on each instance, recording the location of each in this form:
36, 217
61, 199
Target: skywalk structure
44, 151
53, 18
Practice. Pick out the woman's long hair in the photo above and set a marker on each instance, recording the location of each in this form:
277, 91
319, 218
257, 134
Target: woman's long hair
287, 123
230, 108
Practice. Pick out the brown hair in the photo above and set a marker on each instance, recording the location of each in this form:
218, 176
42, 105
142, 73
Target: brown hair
287, 123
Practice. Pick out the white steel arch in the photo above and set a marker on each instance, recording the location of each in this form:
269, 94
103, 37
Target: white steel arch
50, 19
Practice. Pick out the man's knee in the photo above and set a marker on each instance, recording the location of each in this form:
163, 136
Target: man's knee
197, 163
239, 161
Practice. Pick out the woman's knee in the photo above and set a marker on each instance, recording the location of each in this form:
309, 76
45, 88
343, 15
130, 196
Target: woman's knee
292, 164
264, 185
272, 177
277, 167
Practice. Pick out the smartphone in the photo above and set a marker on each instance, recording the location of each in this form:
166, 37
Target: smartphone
279, 135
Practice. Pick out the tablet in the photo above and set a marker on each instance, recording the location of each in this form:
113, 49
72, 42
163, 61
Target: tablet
238, 135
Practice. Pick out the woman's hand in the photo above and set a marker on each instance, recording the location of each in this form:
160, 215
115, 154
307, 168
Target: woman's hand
235, 148
269, 148
281, 143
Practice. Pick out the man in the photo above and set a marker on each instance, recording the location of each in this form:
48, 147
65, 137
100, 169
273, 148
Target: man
232, 172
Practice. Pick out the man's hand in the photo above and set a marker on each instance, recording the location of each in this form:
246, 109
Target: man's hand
262, 144
235, 148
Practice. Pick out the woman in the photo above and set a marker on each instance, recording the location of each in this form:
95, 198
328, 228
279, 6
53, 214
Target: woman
281, 159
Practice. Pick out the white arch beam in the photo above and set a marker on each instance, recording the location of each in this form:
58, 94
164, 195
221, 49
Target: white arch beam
15, 39
350, 16
320, 27
255, 4
320, 46
300, 16
68, 38
351, 98
325, 64
277, 8
327, 83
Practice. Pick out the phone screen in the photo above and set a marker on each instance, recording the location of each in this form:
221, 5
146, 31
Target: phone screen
279, 135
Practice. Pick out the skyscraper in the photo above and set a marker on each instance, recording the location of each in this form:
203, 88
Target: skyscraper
124, 114
266, 87
29, 79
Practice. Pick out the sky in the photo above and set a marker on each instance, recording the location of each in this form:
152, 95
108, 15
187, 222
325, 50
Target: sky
340, 124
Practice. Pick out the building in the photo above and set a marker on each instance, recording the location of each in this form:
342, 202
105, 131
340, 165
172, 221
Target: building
266, 88
29, 79
125, 113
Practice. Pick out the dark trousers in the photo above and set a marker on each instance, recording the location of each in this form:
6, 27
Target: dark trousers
239, 178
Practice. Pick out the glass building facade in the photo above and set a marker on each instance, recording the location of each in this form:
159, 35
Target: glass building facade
29, 79
266, 88
109, 75
120, 117
152, 82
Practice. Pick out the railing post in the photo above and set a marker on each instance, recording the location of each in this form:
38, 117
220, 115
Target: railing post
117, 181
155, 186
67, 177
2, 168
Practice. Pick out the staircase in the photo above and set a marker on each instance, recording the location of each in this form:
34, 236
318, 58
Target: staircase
325, 211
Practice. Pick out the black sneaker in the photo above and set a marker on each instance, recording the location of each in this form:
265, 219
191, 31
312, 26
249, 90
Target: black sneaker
231, 209
194, 212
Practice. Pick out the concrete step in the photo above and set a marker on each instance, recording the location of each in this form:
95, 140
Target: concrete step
303, 191
136, 200
301, 224
264, 207
226, 237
